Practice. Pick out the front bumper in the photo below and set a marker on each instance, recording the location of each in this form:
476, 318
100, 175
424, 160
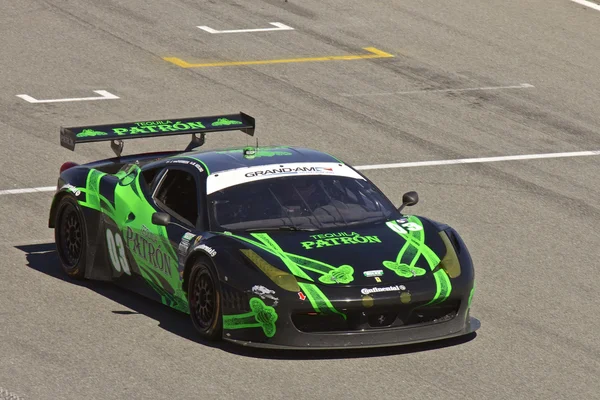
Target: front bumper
289, 336
368, 339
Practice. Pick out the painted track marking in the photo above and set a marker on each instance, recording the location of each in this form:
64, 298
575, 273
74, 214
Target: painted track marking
28, 190
396, 165
589, 4
104, 95
479, 160
279, 27
521, 86
374, 53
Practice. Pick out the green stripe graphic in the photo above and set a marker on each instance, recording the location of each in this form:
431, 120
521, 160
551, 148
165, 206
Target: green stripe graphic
413, 249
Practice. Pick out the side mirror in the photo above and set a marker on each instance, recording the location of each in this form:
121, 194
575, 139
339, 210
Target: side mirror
409, 199
161, 218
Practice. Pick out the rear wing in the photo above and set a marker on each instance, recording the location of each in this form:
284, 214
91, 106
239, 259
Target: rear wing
116, 133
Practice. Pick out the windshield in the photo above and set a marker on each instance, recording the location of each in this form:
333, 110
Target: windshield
302, 202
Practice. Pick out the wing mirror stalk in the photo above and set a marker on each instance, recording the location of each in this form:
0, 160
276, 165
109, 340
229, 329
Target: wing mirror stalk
409, 199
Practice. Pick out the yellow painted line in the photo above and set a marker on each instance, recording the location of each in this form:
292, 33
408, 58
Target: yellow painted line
374, 53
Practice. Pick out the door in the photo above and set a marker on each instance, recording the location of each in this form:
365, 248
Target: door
153, 248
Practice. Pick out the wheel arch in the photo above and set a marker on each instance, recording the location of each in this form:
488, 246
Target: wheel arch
191, 260
53, 208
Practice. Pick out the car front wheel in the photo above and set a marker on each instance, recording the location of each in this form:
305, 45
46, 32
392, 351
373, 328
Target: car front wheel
204, 297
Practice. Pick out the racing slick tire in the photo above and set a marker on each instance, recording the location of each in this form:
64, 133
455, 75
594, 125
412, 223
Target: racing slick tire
204, 298
70, 237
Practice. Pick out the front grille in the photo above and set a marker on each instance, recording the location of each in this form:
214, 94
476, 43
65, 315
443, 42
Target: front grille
433, 314
313, 322
373, 319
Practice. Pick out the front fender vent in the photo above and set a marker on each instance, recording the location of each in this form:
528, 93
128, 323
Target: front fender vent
235, 299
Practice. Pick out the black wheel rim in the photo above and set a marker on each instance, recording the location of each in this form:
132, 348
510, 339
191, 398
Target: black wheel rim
203, 302
70, 235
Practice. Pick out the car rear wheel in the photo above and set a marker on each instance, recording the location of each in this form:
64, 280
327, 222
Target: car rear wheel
204, 297
70, 237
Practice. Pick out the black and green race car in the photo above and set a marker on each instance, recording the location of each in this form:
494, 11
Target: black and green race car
273, 247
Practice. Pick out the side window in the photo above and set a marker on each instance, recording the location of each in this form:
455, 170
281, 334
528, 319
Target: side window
149, 175
178, 194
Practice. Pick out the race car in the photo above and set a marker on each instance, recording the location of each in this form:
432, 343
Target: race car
282, 247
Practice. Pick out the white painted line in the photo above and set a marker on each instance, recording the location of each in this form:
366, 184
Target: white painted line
586, 3
479, 160
28, 190
396, 165
279, 27
104, 95
521, 86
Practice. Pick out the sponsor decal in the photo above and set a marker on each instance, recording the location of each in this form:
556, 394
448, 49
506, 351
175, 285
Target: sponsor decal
188, 236
225, 122
395, 288
265, 293
197, 240
146, 246
372, 273
288, 170
71, 189
91, 132
159, 126
187, 162
342, 274
301, 296
148, 235
185, 243
404, 270
377, 279
261, 316
212, 252
336, 239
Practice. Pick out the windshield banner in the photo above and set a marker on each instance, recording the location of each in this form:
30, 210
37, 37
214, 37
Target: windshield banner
240, 176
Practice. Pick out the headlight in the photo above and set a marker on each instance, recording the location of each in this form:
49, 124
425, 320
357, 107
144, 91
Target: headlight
450, 262
283, 279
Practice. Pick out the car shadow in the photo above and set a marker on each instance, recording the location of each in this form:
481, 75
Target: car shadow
44, 258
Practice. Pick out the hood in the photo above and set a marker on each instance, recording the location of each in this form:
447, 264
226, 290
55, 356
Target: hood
384, 253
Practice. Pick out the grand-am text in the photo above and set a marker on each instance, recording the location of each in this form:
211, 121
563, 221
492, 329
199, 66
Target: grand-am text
288, 170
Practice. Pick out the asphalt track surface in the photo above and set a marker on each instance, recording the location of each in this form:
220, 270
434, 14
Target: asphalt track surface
531, 225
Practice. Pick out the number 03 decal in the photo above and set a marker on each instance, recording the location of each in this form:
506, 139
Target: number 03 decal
410, 226
116, 250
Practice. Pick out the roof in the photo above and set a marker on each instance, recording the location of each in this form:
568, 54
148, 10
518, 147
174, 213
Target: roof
223, 160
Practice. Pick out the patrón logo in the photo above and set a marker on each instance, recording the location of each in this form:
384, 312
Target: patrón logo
404, 270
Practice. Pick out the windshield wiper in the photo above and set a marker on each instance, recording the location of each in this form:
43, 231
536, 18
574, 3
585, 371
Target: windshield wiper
282, 228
